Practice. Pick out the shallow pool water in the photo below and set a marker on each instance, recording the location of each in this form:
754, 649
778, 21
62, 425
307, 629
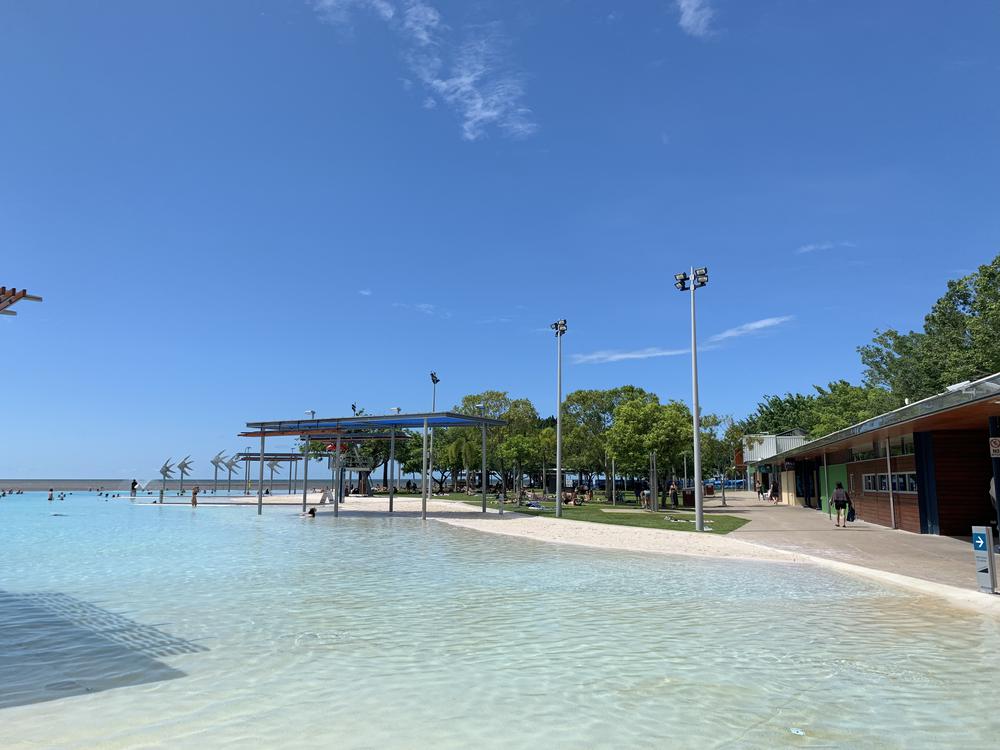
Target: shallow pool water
143, 626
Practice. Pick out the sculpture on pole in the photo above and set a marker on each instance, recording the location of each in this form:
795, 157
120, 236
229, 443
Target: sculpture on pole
166, 472
217, 462
231, 464
185, 468
272, 465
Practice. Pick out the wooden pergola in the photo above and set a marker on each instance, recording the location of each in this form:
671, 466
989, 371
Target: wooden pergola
8, 297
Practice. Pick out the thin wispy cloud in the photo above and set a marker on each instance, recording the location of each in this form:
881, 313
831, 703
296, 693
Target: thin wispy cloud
695, 17
491, 321
365, 292
814, 247
754, 326
468, 70
426, 308
614, 355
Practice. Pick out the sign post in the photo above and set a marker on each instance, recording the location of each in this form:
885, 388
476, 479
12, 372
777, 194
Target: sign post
982, 549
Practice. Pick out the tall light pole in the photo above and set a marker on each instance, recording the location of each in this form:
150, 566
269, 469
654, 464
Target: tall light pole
482, 480
685, 283
560, 328
429, 482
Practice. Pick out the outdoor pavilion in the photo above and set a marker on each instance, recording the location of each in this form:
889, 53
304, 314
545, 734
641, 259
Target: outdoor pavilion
291, 458
342, 431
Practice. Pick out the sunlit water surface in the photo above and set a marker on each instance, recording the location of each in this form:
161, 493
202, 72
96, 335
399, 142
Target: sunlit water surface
137, 626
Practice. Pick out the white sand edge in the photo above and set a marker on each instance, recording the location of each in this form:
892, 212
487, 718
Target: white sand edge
667, 542
633, 539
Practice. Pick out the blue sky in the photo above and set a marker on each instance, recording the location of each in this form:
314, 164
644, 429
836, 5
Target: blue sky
245, 210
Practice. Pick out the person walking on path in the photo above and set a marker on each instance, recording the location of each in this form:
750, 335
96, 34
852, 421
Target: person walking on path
775, 492
841, 500
673, 494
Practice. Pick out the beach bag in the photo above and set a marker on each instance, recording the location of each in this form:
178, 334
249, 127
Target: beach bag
851, 515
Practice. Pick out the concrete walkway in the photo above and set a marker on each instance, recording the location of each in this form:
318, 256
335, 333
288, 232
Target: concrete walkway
938, 559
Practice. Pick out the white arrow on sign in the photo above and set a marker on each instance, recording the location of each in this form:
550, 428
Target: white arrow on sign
980, 542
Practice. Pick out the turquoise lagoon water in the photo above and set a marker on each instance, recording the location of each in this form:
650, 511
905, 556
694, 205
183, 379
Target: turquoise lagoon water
141, 626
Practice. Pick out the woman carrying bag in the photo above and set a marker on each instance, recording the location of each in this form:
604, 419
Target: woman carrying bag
840, 501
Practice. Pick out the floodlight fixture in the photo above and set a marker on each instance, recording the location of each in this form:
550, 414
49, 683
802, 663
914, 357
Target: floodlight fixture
434, 378
559, 327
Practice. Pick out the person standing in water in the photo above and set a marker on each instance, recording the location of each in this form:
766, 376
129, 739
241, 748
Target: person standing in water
194, 496
134, 485
50, 495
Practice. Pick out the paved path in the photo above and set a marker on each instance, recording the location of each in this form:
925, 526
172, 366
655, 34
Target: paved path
939, 559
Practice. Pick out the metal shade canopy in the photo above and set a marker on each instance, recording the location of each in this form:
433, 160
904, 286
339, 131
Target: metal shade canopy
433, 419
357, 428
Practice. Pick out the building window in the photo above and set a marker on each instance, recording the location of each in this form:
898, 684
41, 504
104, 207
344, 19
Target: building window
869, 482
901, 446
883, 483
863, 452
911, 482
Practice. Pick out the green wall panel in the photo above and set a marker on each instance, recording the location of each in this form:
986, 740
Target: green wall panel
837, 473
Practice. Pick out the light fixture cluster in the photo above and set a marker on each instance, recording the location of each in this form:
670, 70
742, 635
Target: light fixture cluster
559, 327
682, 280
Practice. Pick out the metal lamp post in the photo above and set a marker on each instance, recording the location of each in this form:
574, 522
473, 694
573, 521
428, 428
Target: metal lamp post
482, 481
691, 283
429, 483
560, 328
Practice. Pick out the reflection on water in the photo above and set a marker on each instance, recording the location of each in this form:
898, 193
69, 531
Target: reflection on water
375, 632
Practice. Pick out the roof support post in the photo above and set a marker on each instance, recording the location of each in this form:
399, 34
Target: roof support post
888, 465
829, 493
423, 476
338, 488
260, 483
482, 480
392, 466
994, 424
305, 476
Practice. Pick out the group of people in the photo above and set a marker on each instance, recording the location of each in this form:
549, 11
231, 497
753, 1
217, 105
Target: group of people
773, 492
840, 498
11, 491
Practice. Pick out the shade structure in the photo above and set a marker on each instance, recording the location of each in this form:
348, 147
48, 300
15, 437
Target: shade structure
360, 428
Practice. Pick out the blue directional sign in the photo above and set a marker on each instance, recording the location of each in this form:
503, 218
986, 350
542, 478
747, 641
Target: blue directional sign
982, 551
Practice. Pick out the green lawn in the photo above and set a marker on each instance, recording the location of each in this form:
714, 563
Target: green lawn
595, 513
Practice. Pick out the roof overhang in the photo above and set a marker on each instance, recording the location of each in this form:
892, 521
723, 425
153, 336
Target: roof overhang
960, 408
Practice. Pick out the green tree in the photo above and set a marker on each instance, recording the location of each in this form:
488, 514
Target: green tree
776, 414
587, 417
960, 341
841, 405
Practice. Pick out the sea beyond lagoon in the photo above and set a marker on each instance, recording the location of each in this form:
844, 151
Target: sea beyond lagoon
125, 624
